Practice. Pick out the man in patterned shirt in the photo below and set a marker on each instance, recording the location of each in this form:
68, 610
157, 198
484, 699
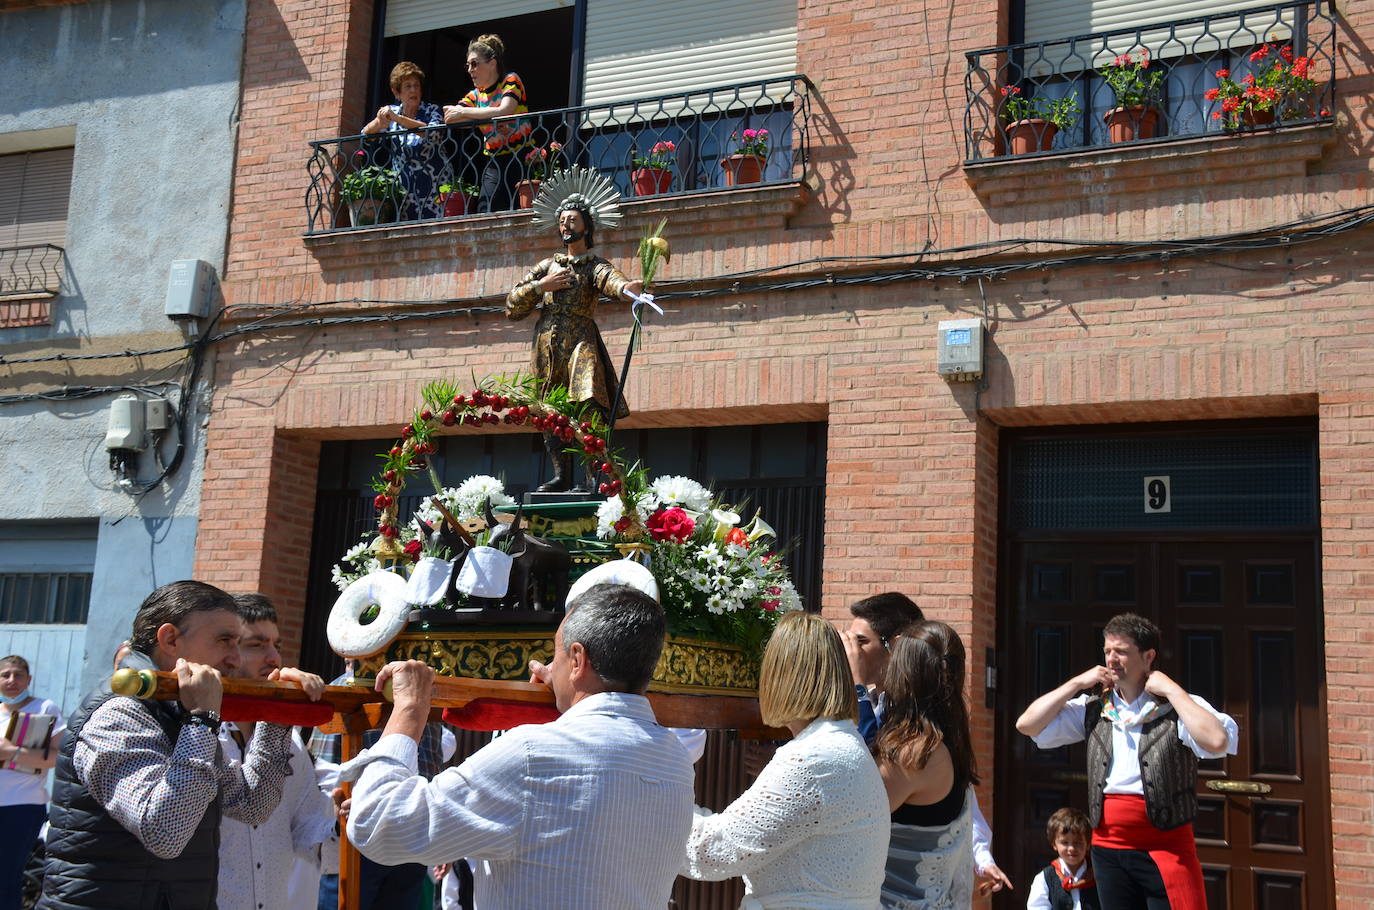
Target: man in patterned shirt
140, 785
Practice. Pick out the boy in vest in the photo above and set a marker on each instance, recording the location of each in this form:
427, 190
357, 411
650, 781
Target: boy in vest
1067, 883
1145, 735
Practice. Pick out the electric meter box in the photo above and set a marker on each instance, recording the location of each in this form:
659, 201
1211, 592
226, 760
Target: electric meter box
125, 432
188, 289
960, 349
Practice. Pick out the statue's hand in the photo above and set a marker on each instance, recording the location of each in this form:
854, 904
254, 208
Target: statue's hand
558, 278
634, 288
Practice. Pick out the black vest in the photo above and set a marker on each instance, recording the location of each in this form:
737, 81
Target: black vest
1168, 768
94, 863
1063, 900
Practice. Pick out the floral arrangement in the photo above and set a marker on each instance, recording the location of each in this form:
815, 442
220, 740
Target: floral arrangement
463, 502
660, 157
751, 142
543, 160
717, 579
1283, 87
1062, 112
1135, 84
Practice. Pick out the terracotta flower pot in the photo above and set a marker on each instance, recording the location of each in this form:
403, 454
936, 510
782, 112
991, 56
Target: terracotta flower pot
367, 212
1251, 118
650, 181
1026, 136
1126, 124
525, 191
742, 169
457, 204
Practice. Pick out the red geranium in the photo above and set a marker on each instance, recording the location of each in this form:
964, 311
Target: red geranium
671, 524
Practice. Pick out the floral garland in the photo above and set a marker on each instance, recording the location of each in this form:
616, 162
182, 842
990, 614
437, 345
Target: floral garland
719, 580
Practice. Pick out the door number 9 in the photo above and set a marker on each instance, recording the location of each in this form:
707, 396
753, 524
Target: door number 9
1157, 497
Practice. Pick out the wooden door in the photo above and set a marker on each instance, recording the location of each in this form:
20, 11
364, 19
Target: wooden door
1242, 628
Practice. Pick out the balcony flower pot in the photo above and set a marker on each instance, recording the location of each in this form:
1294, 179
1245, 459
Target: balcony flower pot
1033, 135
458, 204
650, 181
525, 191
1126, 124
742, 169
367, 212
1249, 118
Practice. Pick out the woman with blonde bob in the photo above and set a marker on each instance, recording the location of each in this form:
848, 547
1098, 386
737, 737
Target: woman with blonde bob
812, 831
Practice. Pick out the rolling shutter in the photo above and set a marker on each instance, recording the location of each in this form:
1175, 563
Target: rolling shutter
636, 50
1057, 20
35, 188
406, 17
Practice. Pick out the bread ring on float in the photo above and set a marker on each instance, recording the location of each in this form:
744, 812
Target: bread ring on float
345, 630
615, 572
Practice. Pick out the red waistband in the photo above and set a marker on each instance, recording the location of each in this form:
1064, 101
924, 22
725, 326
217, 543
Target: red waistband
1126, 826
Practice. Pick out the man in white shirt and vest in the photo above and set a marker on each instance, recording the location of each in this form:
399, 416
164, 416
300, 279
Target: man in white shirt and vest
589, 812
1145, 735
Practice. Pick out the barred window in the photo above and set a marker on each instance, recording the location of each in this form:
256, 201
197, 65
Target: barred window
46, 598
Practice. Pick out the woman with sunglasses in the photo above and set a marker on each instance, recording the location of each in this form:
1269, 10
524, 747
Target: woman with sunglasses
494, 96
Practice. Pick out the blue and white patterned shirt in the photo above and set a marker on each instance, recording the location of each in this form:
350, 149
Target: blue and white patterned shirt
589, 812
159, 790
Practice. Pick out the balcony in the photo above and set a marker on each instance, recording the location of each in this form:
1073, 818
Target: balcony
702, 127
30, 271
1194, 65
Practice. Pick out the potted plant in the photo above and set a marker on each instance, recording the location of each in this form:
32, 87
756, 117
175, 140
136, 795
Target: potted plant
1282, 90
653, 172
373, 194
1138, 89
1033, 122
457, 197
539, 161
745, 165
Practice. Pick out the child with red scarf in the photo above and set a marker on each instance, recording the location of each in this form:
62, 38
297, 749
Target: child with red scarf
1067, 883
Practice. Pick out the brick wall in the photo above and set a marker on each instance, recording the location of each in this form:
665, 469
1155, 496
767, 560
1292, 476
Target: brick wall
912, 473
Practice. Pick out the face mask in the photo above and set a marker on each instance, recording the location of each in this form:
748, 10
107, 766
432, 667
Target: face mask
16, 699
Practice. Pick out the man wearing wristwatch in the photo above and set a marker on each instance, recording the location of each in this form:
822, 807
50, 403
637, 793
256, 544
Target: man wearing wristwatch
140, 785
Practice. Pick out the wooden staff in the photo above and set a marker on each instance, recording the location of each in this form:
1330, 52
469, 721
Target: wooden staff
702, 712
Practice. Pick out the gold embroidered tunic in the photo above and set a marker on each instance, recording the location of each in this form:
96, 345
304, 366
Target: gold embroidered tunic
568, 350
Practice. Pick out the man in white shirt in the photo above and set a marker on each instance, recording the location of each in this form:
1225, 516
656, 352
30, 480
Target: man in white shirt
589, 812
1145, 735
257, 863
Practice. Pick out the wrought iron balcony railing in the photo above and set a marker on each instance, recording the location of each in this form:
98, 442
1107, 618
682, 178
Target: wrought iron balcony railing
1257, 68
437, 172
32, 270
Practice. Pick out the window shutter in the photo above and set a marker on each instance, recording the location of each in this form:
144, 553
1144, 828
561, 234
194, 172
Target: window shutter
406, 17
636, 50
1057, 20
35, 189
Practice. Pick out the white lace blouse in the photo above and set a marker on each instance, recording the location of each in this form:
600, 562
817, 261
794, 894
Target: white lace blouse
812, 832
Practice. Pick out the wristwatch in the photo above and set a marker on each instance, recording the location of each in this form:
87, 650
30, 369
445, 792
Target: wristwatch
202, 717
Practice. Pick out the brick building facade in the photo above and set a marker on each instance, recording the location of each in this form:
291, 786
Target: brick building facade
1256, 336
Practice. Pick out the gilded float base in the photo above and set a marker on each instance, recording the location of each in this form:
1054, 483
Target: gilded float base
687, 666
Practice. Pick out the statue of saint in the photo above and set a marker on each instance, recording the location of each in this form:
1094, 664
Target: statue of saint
565, 288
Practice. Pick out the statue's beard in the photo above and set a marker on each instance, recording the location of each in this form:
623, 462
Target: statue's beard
573, 236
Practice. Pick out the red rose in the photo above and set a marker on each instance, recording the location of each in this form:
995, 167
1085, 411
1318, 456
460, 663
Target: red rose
671, 524
414, 549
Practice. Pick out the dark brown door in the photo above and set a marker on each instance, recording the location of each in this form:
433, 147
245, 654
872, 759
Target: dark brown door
1242, 628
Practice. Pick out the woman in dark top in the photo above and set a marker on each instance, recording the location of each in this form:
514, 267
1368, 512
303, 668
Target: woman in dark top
925, 757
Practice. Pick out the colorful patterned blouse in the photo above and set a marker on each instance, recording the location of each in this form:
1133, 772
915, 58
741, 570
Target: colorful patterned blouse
504, 137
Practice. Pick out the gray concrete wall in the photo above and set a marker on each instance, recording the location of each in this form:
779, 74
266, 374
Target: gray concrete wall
150, 90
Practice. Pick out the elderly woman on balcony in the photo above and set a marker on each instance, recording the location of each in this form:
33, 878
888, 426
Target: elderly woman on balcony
416, 157
494, 95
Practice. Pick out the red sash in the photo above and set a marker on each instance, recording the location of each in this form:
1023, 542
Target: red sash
1126, 826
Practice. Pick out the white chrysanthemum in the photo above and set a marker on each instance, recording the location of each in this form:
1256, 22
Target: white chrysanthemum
735, 551
747, 587
336, 575
716, 604
358, 552
612, 510
682, 491
465, 500
788, 599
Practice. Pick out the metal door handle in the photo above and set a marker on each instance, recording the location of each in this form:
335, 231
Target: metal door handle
1238, 786
1077, 777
